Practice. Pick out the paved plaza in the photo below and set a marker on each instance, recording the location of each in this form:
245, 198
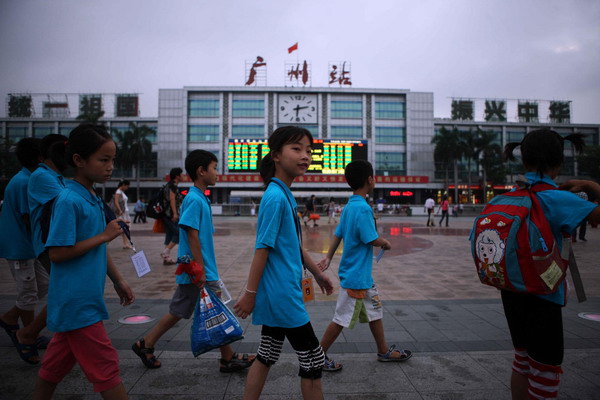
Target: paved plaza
434, 305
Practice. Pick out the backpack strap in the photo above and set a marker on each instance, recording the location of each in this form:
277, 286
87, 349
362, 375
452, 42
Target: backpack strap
540, 187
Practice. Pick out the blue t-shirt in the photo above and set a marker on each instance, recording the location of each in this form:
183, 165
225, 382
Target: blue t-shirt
195, 213
279, 300
15, 235
357, 230
76, 292
44, 185
564, 212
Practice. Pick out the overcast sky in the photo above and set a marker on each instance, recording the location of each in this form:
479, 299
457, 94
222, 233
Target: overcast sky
513, 49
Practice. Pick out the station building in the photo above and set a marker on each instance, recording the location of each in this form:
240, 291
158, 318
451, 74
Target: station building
392, 128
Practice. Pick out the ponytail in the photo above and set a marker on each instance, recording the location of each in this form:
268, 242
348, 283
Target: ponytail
578, 141
267, 169
508, 151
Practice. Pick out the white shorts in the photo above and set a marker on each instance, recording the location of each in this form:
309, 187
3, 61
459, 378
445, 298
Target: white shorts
349, 310
31, 279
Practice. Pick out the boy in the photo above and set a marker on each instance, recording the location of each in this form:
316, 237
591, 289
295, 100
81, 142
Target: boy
31, 278
358, 299
196, 242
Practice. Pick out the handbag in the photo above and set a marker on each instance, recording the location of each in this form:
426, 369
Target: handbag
213, 325
159, 226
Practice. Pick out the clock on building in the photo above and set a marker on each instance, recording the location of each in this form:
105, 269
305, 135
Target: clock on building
298, 109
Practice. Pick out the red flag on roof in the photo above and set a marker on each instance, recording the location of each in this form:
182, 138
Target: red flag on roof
294, 47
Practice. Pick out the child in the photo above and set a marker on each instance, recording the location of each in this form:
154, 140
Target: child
274, 294
80, 262
173, 199
358, 299
118, 204
535, 322
31, 278
196, 241
45, 183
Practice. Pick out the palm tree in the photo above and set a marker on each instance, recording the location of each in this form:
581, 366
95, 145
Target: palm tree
448, 150
492, 166
134, 149
467, 140
484, 146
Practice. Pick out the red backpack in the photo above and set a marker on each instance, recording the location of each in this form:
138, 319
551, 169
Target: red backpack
513, 246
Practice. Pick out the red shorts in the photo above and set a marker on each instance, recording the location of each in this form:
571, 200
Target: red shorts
91, 348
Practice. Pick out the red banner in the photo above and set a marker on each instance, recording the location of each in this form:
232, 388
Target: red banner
250, 178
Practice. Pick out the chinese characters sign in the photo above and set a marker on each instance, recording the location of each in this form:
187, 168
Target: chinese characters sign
495, 110
462, 110
20, 106
127, 106
339, 73
256, 72
90, 104
528, 112
297, 74
560, 112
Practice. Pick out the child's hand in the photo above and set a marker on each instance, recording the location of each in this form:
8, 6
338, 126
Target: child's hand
324, 264
324, 283
386, 244
112, 230
125, 293
245, 304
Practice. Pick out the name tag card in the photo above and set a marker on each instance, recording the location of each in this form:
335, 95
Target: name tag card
140, 263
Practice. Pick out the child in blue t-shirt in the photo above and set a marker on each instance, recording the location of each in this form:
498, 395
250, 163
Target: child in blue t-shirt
274, 294
196, 243
80, 262
31, 278
535, 321
358, 300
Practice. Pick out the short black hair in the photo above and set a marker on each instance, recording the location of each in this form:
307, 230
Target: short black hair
197, 159
175, 172
357, 173
123, 182
28, 152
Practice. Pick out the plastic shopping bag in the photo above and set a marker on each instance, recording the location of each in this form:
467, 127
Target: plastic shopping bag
214, 325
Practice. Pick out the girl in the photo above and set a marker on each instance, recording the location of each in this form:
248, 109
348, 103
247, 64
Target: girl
119, 206
273, 294
535, 321
80, 262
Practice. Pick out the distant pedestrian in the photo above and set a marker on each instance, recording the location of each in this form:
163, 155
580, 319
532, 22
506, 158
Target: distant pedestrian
273, 294
140, 211
171, 219
429, 207
309, 211
358, 300
535, 321
331, 211
444, 207
118, 203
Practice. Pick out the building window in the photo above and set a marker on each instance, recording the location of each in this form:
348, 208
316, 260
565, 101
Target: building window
203, 108
16, 133
41, 131
152, 137
514, 136
390, 110
248, 131
248, 108
388, 163
389, 135
346, 109
313, 129
347, 132
203, 133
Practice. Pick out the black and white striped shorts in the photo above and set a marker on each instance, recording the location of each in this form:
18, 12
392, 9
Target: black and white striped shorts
303, 341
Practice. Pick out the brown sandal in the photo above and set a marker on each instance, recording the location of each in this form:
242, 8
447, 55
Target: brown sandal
236, 363
141, 352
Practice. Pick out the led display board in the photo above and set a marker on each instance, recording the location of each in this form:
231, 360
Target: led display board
329, 156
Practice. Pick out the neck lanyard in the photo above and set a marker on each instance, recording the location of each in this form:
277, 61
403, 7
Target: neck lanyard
296, 220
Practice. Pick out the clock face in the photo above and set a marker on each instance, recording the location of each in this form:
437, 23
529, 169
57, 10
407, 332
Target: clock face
298, 109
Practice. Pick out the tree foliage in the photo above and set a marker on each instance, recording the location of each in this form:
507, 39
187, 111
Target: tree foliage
134, 148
